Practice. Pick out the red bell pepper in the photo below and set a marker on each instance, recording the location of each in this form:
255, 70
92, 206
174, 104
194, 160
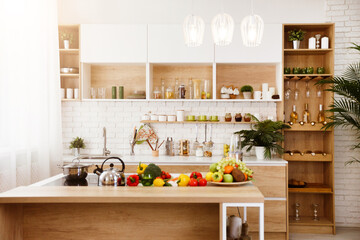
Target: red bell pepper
195, 175
132, 180
202, 182
165, 175
193, 182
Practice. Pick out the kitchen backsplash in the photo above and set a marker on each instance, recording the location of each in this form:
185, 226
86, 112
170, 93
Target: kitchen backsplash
86, 119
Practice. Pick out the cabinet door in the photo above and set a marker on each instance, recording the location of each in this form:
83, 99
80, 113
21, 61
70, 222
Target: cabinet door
113, 43
268, 52
166, 44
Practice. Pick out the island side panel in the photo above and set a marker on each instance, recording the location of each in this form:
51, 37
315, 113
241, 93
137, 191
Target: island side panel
121, 221
11, 221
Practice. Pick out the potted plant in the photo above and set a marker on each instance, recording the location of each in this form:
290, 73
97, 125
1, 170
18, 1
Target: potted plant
346, 109
67, 38
264, 136
296, 36
247, 91
76, 145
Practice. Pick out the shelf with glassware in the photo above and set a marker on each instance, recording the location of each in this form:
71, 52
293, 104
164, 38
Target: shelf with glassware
194, 122
69, 62
308, 146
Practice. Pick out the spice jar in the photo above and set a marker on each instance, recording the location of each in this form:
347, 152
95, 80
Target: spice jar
238, 117
207, 151
199, 151
182, 92
169, 94
157, 93
228, 117
247, 117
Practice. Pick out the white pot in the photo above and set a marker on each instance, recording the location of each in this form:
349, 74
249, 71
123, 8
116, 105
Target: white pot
76, 152
260, 152
296, 44
247, 95
66, 44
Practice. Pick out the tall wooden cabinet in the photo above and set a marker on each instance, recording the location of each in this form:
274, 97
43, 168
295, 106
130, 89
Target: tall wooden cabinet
309, 148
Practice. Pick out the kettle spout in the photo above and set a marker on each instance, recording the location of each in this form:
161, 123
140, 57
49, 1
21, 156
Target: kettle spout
97, 170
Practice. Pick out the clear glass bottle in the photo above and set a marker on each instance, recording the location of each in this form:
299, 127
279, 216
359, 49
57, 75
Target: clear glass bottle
191, 89
162, 88
197, 89
157, 93
321, 115
169, 93
176, 88
293, 115
306, 114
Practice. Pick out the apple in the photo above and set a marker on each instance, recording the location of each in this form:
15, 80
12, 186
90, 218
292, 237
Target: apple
228, 178
208, 176
213, 167
217, 177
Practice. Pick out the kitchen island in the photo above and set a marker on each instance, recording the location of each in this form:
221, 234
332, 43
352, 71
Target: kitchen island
63, 212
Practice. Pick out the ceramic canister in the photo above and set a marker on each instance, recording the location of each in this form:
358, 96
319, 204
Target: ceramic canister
171, 118
180, 115
162, 118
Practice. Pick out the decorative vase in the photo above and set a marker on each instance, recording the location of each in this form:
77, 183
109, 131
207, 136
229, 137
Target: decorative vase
296, 44
247, 95
260, 152
76, 152
66, 44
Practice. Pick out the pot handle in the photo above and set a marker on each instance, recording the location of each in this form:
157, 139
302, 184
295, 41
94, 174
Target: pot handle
122, 162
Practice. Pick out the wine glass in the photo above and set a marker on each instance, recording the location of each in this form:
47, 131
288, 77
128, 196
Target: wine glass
315, 207
288, 90
307, 90
296, 92
317, 36
93, 93
319, 91
297, 208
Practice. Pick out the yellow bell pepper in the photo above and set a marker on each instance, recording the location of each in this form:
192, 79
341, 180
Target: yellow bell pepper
158, 182
183, 180
141, 168
208, 176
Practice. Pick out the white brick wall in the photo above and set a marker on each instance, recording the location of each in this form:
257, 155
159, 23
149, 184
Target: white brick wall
346, 15
86, 119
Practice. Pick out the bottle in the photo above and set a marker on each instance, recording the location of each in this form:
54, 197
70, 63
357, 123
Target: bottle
306, 114
176, 88
293, 115
191, 90
321, 116
162, 88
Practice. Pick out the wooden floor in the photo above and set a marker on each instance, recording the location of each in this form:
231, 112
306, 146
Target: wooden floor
342, 233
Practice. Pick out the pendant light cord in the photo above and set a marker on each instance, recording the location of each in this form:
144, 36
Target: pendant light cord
252, 7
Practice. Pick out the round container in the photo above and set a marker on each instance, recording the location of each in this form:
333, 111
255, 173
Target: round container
145, 117
180, 115
154, 117
171, 118
75, 171
157, 93
199, 152
228, 117
162, 118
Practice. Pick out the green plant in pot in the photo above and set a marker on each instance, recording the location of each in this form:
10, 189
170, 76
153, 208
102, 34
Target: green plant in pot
346, 110
296, 36
77, 144
264, 136
247, 91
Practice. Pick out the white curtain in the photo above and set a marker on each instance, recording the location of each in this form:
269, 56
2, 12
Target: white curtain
30, 106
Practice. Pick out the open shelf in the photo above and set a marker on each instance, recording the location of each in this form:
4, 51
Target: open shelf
306, 77
307, 127
69, 100
307, 158
312, 188
307, 51
69, 74
194, 122
323, 221
70, 50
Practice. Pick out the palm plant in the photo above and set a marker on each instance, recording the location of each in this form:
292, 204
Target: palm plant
346, 110
266, 134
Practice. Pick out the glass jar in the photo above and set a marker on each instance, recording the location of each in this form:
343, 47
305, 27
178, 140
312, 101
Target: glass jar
247, 117
205, 94
169, 94
157, 93
207, 151
197, 88
228, 117
238, 117
199, 151
182, 91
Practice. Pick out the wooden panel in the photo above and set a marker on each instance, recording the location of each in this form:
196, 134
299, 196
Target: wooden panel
312, 229
308, 157
271, 180
268, 236
11, 221
69, 82
132, 77
306, 141
239, 75
275, 216
121, 221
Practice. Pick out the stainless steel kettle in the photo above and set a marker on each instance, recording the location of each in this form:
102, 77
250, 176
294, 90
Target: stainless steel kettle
111, 176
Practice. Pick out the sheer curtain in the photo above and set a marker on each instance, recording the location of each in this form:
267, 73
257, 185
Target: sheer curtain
30, 106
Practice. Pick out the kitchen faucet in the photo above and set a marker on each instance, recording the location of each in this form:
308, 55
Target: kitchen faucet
106, 151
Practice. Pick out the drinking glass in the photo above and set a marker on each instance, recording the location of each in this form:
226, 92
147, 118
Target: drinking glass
315, 207
93, 93
297, 208
235, 147
296, 92
319, 91
307, 90
102, 92
287, 91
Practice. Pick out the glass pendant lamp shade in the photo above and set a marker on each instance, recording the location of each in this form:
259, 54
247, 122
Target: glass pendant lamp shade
194, 27
222, 27
252, 29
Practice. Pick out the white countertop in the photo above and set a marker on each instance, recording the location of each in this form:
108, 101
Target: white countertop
179, 160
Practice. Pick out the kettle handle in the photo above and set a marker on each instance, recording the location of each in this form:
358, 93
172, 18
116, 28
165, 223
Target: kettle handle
122, 162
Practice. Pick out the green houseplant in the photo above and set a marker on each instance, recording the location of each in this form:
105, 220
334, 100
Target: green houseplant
346, 110
247, 91
77, 144
264, 136
296, 36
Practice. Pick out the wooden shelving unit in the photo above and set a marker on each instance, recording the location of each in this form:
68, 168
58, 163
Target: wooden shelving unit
316, 170
70, 58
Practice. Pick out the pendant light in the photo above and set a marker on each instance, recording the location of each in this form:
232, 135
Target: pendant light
252, 29
222, 27
194, 27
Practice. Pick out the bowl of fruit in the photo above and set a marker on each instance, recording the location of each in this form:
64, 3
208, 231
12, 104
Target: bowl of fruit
229, 172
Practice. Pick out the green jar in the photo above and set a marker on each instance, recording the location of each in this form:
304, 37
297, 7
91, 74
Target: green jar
320, 70
304, 70
297, 70
287, 70
309, 70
